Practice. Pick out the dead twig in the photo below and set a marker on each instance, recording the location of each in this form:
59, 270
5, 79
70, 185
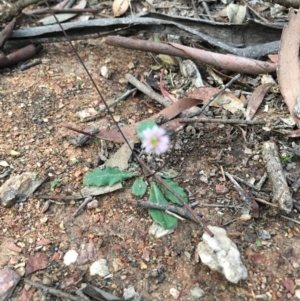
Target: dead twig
31, 64
196, 15
44, 11
223, 121
182, 211
256, 13
290, 219
110, 105
214, 97
207, 11
256, 187
244, 195
286, 3
281, 192
53, 291
148, 91
84, 203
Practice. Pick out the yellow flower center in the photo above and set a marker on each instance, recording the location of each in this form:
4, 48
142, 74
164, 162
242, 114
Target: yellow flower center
154, 141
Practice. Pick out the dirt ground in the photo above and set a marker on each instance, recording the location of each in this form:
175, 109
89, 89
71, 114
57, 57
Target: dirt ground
37, 103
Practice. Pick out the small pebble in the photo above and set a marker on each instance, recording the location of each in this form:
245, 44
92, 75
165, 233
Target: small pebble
197, 292
93, 204
174, 293
129, 293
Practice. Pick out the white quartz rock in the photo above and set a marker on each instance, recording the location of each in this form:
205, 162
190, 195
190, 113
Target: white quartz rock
221, 254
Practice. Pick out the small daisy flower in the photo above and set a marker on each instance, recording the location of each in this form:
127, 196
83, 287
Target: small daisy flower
155, 140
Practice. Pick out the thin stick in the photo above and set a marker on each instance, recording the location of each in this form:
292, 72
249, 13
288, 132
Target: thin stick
52, 291
113, 103
168, 208
175, 215
196, 15
223, 121
256, 187
290, 219
214, 96
84, 203
206, 8
31, 64
63, 10
146, 90
265, 202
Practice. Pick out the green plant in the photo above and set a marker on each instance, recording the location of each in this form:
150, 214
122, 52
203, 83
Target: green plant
154, 140
258, 243
56, 183
286, 159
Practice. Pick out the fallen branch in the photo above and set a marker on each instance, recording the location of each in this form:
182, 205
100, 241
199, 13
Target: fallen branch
281, 192
19, 55
148, 91
178, 210
258, 39
244, 196
223, 61
222, 121
53, 291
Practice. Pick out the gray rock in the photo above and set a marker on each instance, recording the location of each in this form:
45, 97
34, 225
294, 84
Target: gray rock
100, 268
221, 254
8, 281
159, 231
197, 292
19, 187
131, 294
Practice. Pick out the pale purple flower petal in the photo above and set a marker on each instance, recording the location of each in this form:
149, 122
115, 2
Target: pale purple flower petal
155, 140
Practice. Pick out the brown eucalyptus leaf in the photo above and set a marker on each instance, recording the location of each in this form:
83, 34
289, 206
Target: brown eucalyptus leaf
225, 100
120, 7
62, 17
256, 99
170, 112
288, 63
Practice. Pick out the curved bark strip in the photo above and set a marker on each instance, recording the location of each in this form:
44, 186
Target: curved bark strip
281, 192
288, 63
19, 55
229, 62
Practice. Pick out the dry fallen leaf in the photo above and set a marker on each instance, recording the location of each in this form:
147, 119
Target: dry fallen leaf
236, 13
120, 7
256, 99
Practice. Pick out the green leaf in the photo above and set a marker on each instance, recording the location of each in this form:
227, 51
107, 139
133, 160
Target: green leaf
163, 219
55, 183
106, 177
179, 190
143, 126
139, 187
169, 174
